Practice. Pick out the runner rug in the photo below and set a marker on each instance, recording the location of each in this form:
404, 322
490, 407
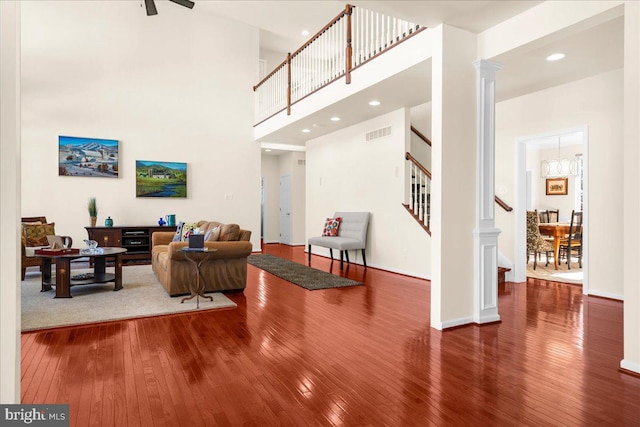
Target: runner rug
299, 274
142, 296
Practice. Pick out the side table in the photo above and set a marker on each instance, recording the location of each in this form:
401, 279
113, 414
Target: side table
197, 256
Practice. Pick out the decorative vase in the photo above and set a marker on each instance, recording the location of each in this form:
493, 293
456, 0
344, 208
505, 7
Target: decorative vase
93, 221
108, 222
161, 222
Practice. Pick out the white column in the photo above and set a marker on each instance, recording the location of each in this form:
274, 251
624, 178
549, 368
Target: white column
10, 202
631, 204
453, 164
485, 234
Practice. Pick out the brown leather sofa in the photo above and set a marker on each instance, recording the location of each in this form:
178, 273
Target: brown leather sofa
224, 270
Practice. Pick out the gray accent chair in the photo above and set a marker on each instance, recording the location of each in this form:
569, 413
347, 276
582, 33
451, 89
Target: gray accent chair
352, 235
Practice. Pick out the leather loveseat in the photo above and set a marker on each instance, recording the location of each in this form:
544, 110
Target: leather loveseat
224, 270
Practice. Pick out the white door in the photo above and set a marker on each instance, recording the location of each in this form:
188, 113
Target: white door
285, 209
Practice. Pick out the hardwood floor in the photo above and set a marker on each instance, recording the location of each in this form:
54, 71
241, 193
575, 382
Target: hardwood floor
357, 356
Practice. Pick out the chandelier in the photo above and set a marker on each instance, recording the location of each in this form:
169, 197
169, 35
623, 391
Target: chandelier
558, 167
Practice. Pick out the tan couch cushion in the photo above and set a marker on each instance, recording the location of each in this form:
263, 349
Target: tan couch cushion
229, 233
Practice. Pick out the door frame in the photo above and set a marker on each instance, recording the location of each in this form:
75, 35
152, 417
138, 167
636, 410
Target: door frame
520, 208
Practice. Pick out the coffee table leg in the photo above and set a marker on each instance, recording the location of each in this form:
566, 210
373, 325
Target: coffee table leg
118, 268
63, 278
46, 274
99, 265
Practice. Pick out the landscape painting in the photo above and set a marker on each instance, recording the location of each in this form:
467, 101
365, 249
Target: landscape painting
87, 157
161, 179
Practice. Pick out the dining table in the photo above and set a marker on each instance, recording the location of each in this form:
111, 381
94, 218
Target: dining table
557, 230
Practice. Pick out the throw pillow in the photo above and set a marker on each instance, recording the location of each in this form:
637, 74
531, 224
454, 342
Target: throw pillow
178, 236
36, 235
188, 228
212, 235
229, 233
331, 227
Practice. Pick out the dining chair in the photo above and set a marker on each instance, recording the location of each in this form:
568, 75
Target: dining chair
543, 216
535, 243
554, 216
573, 241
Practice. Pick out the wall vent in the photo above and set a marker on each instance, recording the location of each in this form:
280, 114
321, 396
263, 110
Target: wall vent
378, 133
302, 162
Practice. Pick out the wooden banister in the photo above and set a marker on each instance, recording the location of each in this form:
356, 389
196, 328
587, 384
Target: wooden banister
421, 136
319, 33
268, 76
413, 160
351, 39
503, 205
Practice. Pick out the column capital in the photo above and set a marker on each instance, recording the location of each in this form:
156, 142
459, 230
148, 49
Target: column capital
485, 65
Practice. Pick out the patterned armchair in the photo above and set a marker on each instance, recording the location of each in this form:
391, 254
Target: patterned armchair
536, 244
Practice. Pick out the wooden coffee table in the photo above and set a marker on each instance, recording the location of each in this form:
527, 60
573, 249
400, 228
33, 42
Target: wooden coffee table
63, 281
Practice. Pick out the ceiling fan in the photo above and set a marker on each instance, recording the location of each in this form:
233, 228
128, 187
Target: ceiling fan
151, 6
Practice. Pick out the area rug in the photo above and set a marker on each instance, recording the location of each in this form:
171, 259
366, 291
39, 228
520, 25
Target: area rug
301, 275
142, 296
562, 274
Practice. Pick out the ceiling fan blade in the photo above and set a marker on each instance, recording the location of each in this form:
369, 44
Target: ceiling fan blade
151, 7
185, 3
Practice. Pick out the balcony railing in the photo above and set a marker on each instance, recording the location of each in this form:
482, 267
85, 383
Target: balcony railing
351, 39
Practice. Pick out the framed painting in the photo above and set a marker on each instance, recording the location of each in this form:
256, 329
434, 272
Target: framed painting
161, 179
557, 186
87, 157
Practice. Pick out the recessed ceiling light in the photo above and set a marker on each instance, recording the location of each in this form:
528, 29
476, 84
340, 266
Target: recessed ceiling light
374, 103
305, 33
306, 130
335, 119
267, 150
555, 57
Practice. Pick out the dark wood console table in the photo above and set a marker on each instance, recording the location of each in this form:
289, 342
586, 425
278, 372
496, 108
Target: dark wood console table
135, 238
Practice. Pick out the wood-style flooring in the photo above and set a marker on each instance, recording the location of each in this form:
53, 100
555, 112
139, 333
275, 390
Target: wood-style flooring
357, 356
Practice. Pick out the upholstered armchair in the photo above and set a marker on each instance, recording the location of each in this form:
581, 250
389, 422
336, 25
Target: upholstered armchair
34, 236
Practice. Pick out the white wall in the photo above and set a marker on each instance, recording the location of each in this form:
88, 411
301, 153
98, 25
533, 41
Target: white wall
595, 102
271, 175
541, 201
172, 87
345, 173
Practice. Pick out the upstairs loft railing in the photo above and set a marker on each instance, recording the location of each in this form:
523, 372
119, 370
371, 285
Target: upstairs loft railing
351, 39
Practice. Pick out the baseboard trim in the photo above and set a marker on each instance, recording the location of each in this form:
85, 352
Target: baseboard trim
606, 295
456, 323
630, 368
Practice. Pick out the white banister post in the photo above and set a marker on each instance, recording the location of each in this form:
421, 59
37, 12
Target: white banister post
485, 232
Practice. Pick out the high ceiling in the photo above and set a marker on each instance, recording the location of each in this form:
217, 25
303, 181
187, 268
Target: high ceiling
589, 51
282, 22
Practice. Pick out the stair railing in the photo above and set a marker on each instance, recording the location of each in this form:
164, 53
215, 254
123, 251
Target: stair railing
352, 38
419, 192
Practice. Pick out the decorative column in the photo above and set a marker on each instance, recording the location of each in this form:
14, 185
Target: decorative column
485, 309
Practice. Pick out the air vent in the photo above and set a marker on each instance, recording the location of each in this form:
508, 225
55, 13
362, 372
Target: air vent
378, 133
301, 162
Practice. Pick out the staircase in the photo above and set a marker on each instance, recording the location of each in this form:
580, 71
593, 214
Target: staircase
419, 205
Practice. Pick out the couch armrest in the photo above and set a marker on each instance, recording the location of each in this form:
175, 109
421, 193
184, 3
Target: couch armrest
223, 249
162, 238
